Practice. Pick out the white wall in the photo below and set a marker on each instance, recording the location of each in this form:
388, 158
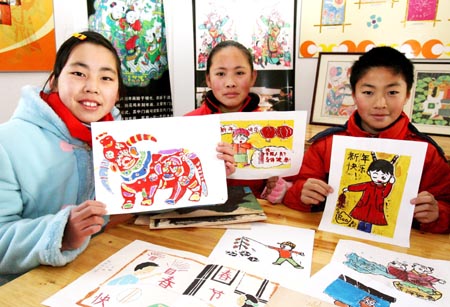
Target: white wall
71, 16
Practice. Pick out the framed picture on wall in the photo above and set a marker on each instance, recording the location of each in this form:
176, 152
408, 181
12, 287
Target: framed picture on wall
429, 107
332, 100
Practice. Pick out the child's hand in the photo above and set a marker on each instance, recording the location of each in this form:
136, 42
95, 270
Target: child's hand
315, 191
225, 153
275, 189
427, 208
84, 220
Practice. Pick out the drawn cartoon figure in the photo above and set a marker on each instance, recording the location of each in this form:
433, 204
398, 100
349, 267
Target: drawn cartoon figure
285, 252
369, 210
419, 282
141, 271
247, 300
145, 173
241, 146
415, 279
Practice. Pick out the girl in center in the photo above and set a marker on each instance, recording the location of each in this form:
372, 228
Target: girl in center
230, 76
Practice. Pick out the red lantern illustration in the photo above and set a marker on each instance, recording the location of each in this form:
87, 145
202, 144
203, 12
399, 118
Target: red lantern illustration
284, 131
268, 132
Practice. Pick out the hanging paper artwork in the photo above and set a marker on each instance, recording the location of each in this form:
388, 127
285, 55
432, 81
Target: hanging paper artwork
158, 164
137, 29
374, 181
265, 144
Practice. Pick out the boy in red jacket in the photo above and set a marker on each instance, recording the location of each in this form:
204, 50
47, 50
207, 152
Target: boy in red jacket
381, 82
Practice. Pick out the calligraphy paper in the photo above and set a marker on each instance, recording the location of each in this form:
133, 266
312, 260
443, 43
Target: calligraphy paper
373, 181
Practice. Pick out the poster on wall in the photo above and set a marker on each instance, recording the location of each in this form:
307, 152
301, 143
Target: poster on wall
418, 28
138, 32
27, 34
266, 28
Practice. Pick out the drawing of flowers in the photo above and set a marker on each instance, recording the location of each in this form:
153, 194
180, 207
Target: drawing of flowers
374, 21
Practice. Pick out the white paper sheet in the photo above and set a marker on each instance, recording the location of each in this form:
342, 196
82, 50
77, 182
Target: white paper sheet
144, 274
409, 280
255, 251
274, 142
350, 161
158, 164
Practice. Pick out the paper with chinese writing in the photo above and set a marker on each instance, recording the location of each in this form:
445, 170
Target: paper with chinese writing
282, 253
265, 143
373, 181
359, 272
158, 164
144, 274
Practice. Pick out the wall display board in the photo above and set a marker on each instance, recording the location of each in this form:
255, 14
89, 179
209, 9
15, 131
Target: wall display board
418, 27
266, 28
137, 30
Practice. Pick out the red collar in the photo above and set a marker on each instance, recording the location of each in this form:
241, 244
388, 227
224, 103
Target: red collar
76, 128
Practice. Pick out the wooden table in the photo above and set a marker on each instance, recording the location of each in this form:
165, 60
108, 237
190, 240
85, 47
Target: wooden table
34, 287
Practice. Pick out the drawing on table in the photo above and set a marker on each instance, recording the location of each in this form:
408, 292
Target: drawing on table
348, 292
372, 186
415, 279
144, 173
242, 247
155, 276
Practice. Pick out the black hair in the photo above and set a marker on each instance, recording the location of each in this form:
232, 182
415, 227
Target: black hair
143, 265
381, 165
225, 44
76, 39
386, 57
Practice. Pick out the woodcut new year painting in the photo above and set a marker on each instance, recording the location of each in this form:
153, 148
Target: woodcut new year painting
373, 181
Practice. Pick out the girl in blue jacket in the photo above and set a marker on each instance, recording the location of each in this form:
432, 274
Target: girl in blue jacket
47, 207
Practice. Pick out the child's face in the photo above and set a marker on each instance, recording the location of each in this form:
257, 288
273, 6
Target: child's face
379, 177
230, 78
380, 96
88, 84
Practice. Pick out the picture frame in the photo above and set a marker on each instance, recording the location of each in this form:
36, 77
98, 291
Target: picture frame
332, 100
429, 105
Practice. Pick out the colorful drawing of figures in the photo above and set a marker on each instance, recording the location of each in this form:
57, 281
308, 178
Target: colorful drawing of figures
242, 247
417, 281
143, 173
137, 30
285, 252
414, 279
214, 27
348, 292
260, 144
338, 101
432, 99
372, 186
241, 147
275, 46
333, 12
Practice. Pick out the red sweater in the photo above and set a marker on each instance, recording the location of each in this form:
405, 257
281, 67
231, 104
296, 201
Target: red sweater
251, 104
435, 175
